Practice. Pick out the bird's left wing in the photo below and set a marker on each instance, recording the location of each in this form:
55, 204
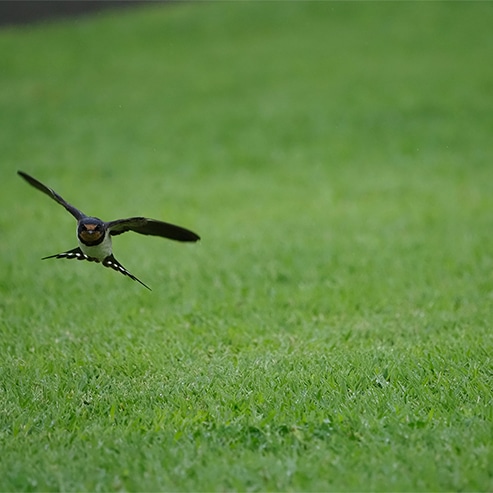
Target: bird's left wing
51, 193
145, 226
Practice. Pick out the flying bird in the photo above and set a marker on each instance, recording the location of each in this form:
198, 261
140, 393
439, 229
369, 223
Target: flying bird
94, 235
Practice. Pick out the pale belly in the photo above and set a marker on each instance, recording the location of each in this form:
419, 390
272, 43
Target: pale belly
99, 252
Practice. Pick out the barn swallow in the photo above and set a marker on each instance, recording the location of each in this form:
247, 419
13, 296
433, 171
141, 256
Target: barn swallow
94, 235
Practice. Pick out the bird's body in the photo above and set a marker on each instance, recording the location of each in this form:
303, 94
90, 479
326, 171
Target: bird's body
98, 247
94, 235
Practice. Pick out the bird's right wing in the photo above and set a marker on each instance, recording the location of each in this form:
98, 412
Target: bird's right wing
51, 193
153, 227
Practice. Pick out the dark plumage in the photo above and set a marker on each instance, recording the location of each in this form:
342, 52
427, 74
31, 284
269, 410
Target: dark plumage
94, 235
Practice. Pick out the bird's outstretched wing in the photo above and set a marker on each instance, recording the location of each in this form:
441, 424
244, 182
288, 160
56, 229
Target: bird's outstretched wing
145, 226
51, 193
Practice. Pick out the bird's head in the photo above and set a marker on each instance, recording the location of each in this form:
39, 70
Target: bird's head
90, 231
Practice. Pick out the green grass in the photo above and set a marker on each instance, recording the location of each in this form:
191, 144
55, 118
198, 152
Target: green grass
333, 329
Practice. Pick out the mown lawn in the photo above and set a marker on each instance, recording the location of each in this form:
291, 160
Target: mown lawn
332, 331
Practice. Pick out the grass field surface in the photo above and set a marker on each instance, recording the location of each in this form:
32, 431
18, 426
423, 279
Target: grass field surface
332, 331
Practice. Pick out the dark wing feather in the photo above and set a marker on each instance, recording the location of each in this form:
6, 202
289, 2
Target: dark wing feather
145, 226
51, 193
